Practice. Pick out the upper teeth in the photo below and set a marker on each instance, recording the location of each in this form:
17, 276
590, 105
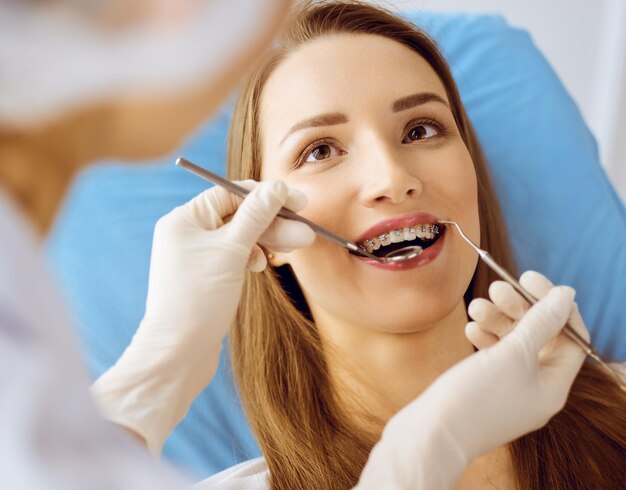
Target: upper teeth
424, 232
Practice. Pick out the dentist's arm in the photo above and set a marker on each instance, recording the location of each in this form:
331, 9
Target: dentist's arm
513, 386
197, 270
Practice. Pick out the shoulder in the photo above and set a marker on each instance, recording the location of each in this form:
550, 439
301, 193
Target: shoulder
249, 475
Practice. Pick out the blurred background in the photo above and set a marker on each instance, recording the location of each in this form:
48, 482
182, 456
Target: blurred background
585, 42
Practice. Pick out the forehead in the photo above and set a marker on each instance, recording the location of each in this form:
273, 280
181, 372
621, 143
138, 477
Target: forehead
343, 73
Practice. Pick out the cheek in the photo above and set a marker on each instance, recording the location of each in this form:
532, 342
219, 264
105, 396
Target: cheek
465, 197
324, 276
455, 188
463, 192
458, 174
323, 268
468, 199
456, 182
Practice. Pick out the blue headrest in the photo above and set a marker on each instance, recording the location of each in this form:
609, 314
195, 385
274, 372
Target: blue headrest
563, 216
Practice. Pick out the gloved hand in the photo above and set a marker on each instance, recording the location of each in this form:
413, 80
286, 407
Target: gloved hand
495, 318
197, 270
513, 386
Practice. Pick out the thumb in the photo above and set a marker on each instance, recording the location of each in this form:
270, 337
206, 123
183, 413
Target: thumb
543, 321
257, 261
256, 212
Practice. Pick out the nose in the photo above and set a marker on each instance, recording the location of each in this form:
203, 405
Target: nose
388, 177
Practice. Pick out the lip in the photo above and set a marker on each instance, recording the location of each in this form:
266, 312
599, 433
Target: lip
428, 255
395, 223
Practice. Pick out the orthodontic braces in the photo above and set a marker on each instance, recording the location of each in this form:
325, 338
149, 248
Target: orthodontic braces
412, 231
385, 238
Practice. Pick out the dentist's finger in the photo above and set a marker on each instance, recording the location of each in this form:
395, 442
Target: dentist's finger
489, 317
296, 200
215, 206
483, 310
256, 213
575, 321
478, 337
508, 300
208, 210
257, 261
543, 321
284, 235
537, 284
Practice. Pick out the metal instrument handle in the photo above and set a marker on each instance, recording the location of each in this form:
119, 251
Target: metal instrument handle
283, 213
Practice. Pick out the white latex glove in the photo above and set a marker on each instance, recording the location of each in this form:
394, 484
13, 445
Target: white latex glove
495, 318
197, 270
490, 398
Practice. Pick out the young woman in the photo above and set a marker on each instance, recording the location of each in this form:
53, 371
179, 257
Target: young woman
357, 109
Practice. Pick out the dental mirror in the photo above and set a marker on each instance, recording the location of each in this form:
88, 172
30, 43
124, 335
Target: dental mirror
402, 254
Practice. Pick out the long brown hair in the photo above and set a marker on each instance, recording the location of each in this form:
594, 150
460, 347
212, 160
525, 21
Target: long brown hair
307, 439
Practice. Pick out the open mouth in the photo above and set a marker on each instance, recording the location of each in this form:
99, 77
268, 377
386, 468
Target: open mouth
423, 235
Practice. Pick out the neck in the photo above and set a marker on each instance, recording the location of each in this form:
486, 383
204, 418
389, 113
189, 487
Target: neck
381, 372
37, 167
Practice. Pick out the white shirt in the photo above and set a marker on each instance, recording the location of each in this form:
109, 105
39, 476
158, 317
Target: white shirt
51, 436
249, 475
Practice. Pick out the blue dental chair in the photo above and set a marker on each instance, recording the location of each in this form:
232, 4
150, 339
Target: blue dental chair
564, 218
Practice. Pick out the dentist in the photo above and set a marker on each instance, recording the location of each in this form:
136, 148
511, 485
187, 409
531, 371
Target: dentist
81, 81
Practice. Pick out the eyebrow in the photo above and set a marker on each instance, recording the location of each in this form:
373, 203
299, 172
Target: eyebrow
316, 121
334, 118
417, 99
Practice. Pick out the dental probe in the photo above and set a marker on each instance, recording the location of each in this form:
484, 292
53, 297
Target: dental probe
288, 214
569, 331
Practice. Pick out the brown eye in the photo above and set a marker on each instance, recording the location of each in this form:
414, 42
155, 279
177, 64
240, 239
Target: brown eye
320, 152
421, 132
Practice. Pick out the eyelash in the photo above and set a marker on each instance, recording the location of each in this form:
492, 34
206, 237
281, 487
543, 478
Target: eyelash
309, 148
441, 131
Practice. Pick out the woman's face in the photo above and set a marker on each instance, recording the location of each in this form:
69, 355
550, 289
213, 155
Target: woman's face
362, 125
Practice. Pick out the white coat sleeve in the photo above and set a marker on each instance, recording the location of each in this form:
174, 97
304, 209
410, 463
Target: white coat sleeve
51, 434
